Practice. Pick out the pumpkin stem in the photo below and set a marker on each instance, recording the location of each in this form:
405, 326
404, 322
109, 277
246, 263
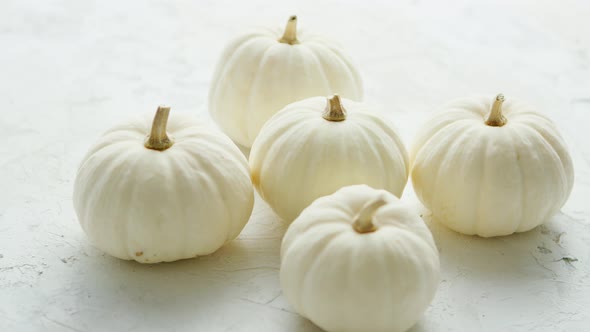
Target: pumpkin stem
290, 34
158, 139
363, 223
496, 119
334, 110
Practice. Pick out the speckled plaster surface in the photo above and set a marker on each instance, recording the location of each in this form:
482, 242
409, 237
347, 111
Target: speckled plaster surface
70, 69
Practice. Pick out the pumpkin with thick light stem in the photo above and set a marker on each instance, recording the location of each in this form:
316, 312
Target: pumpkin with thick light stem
262, 71
491, 167
161, 190
158, 138
290, 34
359, 260
316, 146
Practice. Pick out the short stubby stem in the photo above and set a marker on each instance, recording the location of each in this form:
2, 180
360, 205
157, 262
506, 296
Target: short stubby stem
496, 119
364, 220
158, 138
334, 110
290, 34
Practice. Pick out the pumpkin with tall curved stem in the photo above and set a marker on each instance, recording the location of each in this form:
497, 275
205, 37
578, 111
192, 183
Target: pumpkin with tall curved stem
359, 260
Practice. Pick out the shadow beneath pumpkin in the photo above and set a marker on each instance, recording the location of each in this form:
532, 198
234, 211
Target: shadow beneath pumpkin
245, 151
505, 261
522, 257
489, 278
236, 286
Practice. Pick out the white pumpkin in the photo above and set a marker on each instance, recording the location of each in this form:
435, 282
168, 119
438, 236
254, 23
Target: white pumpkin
359, 260
168, 198
316, 146
489, 167
261, 72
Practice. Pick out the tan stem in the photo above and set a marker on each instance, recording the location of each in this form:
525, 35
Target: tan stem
364, 220
158, 139
290, 34
334, 110
496, 119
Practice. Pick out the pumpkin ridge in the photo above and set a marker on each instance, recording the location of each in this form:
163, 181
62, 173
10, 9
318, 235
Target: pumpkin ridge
556, 167
418, 244
355, 79
100, 145
176, 167
522, 181
212, 169
134, 172
314, 263
229, 57
214, 143
470, 141
320, 65
387, 269
253, 87
369, 136
322, 243
453, 141
340, 221
525, 174
103, 179
309, 139
362, 119
269, 151
430, 134
343, 59
231, 63
564, 160
478, 218
429, 147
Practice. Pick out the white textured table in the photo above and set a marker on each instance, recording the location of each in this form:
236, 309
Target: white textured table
70, 69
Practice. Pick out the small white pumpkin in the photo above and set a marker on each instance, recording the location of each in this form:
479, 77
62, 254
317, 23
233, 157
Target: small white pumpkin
491, 168
316, 146
261, 72
359, 260
163, 198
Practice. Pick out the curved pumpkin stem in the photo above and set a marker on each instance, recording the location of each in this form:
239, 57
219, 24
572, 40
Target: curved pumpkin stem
363, 222
496, 119
158, 139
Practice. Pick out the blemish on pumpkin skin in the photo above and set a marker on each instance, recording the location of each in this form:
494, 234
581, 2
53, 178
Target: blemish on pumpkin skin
138, 253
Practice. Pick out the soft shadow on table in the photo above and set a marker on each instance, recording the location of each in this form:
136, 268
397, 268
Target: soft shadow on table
516, 258
236, 288
502, 268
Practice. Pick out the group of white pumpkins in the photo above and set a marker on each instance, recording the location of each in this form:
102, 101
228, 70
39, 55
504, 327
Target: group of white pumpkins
355, 257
